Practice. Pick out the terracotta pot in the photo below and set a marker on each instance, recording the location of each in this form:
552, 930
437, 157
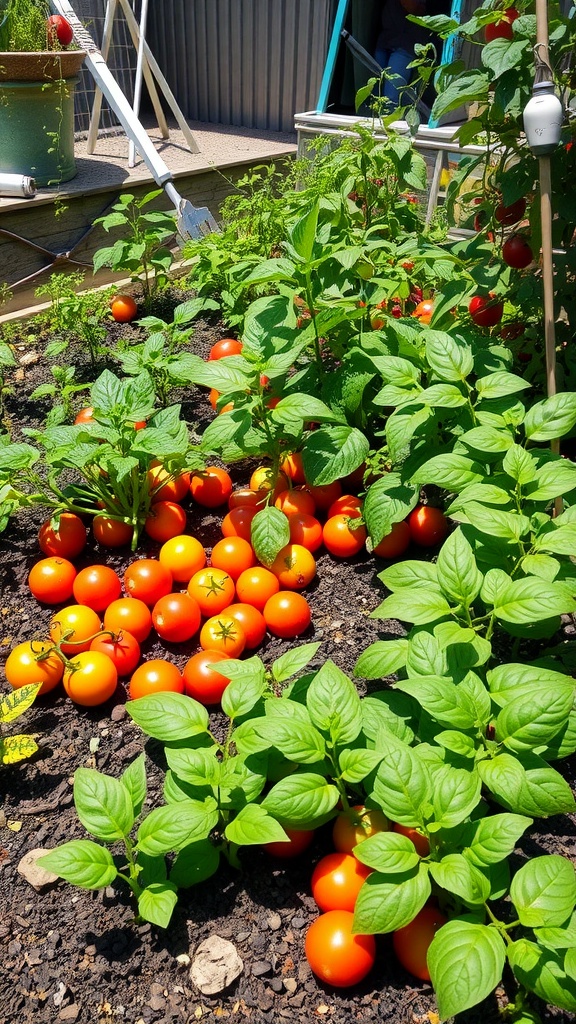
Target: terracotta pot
40, 65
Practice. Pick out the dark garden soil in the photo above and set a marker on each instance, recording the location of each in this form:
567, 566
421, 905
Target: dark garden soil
73, 955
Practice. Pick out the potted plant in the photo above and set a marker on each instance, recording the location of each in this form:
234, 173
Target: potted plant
38, 72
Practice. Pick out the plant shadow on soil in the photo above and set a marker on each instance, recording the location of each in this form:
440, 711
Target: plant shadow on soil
75, 955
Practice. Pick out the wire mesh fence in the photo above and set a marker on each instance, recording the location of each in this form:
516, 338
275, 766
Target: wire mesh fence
121, 60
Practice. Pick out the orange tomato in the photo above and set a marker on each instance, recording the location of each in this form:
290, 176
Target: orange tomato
263, 481
294, 566
51, 580
250, 620
211, 487
213, 589
395, 543
428, 525
353, 826
245, 497
78, 623
337, 880
131, 614
176, 617
123, 308
112, 533
223, 633
255, 586
335, 953
306, 531
91, 680
325, 494
287, 614
30, 662
341, 538
66, 540
295, 500
238, 522
201, 680
156, 676
167, 519
148, 580
97, 586
423, 311
234, 555
347, 504
164, 486
412, 942
293, 468
182, 556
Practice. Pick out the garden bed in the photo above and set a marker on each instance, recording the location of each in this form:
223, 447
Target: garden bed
76, 955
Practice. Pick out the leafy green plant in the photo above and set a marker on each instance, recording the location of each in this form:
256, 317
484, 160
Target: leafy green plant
12, 705
23, 25
144, 253
60, 390
7, 360
61, 290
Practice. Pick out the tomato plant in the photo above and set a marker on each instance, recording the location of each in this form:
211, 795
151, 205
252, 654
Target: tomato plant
336, 955
223, 633
63, 537
123, 308
357, 824
182, 556
213, 590
167, 519
298, 841
225, 347
233, 555
74, 627
129, 613
122, 648
250, 620
294, 566
97, 586
337, 880
396, 543
91, 680
176, 617
34, 661
287, 614
428, 525
148, 580
201, 680
212, 487
411, 943
155, 676
254, 586
341, 537
51, 580
112, 533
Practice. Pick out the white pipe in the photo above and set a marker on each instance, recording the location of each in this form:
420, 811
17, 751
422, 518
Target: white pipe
17, 185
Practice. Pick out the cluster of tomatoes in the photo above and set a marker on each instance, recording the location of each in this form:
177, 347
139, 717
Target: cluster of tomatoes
335, 953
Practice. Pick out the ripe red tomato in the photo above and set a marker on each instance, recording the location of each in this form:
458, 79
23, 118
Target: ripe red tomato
27, 663
91, 680
294, 566
501, 29
486, 310
418, 838
65, 539
165, 487
112, 533
516, 252
78, 623
511, 331
234, 555
293, 468
255, 586
325, 494
176, 617
156, 676
213, 589
357, 824
305, 531
182, 556
337, 880
424, 311
225, 347
287, 614
396, 543
238, 522
299, 840
250, 620
148, 580
428, 525
211, 487
243, 498
223, 633
342, 538
294, 500
58, 30
97, 586
509, 215
167, 519
411, 942
129, 613
335, 954
123, 308
201, 680
347, 504
123, 650
51, 580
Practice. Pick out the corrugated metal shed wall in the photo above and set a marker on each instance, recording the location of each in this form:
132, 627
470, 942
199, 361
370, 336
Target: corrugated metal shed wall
253, 63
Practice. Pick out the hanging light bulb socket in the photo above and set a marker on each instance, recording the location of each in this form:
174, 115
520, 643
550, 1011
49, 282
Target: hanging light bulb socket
543, 115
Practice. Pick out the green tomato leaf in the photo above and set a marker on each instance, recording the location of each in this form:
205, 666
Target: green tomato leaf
456, 793
402, 786
381, 659
544, 972
246, 686
82, 863
466, 961
195, 863
168, 829
493, 838
388, 853
293, 662
134, 778
533, 719
103, 804
270, 533
156, 903
418, 607
300, 800
333, 452
334, 704
169, 716
552, 418
543, 891
496, 385
253, 826
450, 358
384, 906
451, 471
456, 875
458, 574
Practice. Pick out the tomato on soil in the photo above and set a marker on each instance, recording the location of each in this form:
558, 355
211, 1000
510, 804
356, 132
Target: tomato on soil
212, 487
294, 566
341, 538
396, 543
167, 519
357, 824
78, 623
201, 680
66, 540
238, 522
243, 498
97, 586
295, 500
51, 580
298, 841
30, 662
347, 504
225, 347
486, 310
335, 954
325, 494
411, 943
92, 679
213, 589
233, 555
112, 533
250, 620
287, 614
418, 838
148, 580
305, 531
123, 308
182, 556
129, 613
123, 650
337, 880
255, 586
223, 633
517, 253
164, 486
156, 676
428, 525
176, 617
